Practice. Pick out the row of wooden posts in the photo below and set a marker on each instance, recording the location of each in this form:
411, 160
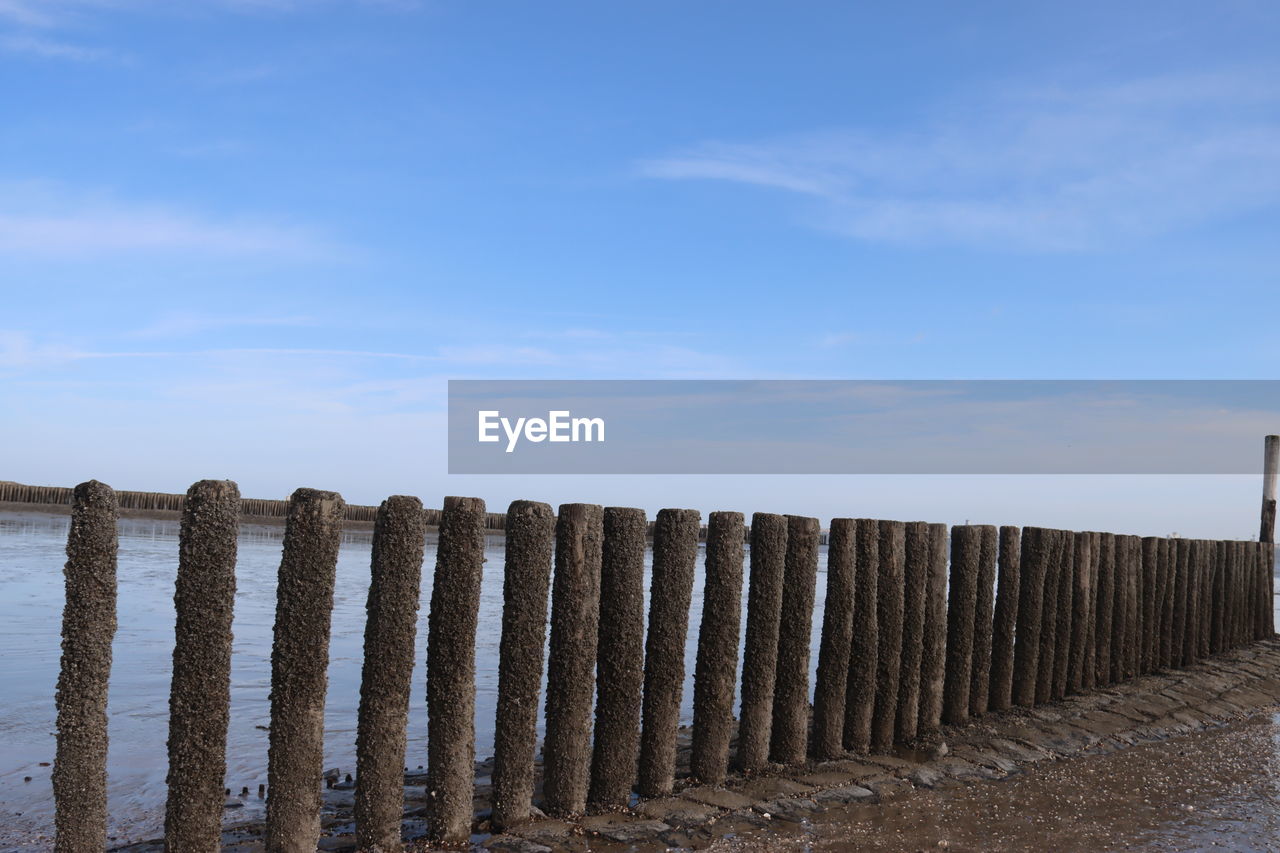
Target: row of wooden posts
920, 629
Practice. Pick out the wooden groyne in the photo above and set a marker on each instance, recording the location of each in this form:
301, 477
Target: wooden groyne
909, 637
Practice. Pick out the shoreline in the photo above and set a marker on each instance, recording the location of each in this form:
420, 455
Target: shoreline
176, 515
999, 745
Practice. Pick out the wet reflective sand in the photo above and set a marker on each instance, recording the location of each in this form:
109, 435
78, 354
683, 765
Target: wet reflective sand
1217, 789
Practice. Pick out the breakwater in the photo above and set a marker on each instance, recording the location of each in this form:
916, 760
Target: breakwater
1160, 603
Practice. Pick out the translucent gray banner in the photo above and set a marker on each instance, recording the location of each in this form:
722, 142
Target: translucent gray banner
860, 427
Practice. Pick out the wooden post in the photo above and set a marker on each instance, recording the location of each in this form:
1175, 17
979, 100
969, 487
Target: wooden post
530, 531
451, 669
1265, 622
1267, 531
933, 661
1120, 608
1270, 467
571, 661
837, 638
860, 698
1179, 556
1150, 635
760, 649
919, 553
1081, 616
716, 670
1254, 599
1217, 624
200, 692
1191, 637
399, 536
789, 737
1106, 608
966, 557
1132, 546
1245, 577
1049, 617
1206, 584
1006, 615
1231, 600
1166, 587
675, 555
889, 657
983, 622
1066, 614
299, 670
619, 659
1248, 598
1035, 554
1089, 666
88, 627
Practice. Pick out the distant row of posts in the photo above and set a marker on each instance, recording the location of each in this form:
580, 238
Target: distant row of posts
912, 638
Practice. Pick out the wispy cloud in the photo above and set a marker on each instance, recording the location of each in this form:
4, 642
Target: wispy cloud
29, 353
38, 220
93, 232
26, 351
24, 18
835, 340
21, 350
1058, 168
49, 13
45, 48
211, 150
499, 354
26, 13
187, 323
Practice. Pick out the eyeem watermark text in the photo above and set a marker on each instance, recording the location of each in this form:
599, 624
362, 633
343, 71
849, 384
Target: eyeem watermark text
559, 425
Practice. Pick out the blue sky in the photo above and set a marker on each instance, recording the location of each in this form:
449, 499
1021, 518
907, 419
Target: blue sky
253, 238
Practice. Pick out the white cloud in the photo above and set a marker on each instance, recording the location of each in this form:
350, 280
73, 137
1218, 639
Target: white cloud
25, 13
29, 352
44, 48
184, 323
1053, 168
39, 220
24, 16
20, 350
835, 340
49, 13
498, 354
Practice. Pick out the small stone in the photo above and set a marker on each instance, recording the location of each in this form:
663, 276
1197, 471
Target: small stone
846, 795
515, 844
925, 777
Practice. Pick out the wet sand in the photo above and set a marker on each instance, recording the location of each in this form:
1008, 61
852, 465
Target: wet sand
1215, 789
1181, 760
